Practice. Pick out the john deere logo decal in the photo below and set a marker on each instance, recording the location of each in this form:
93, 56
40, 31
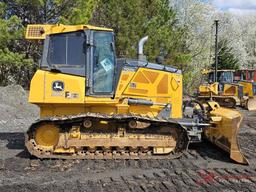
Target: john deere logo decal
58, 86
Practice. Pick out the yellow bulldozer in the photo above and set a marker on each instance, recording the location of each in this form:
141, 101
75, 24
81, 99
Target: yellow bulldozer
247, 78
228, 91
95, 106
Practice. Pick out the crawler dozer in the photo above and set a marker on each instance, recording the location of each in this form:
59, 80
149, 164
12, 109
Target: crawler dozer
247, 78
227, 90
95, 106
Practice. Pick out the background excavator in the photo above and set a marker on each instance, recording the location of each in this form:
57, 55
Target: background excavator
95, 106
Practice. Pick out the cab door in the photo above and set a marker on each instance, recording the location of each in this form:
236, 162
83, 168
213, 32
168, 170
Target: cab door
103, 64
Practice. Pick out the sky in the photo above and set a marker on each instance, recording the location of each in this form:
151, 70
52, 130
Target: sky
238, 7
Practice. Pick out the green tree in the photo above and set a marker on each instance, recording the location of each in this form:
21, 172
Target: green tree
15, 66
130, 19
19, 57
38, 11
226, 58
133, 19
33, 12
80, 13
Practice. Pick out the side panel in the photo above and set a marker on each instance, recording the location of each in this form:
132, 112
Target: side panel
248, 88
73, 88
123, 82
48, 87
36, 94
206, 89
230, 90
158, 86
57, 94
48, 110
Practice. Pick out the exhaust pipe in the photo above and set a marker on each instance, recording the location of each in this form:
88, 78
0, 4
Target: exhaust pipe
141, 43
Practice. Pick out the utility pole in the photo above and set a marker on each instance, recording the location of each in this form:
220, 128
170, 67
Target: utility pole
216, 50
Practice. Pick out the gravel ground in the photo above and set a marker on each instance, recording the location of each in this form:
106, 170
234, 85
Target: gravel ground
203, 167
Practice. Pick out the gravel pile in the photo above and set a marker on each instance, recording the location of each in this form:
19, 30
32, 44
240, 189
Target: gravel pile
15, 111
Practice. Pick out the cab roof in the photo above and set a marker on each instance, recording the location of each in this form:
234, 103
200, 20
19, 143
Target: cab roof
207, 71
247, 69
40, 31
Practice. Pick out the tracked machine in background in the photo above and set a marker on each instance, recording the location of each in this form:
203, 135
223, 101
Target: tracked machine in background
247, 78
221, 87
95, 106
223, 90
228, 90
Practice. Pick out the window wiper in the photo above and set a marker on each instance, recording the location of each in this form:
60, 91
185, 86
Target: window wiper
112, 46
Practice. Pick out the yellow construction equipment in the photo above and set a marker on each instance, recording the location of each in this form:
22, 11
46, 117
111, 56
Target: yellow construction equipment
227, 91
247, 78
95, 106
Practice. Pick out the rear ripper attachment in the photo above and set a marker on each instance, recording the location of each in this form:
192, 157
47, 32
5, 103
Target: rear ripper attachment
95, 136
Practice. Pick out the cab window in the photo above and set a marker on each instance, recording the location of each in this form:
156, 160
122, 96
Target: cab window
67, 53
103, 62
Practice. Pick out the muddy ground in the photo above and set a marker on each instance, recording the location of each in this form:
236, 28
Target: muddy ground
203, 167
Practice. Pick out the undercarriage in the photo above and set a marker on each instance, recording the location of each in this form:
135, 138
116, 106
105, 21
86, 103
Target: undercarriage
98, 136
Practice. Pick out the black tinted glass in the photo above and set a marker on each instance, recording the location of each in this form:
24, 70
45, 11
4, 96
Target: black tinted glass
67, 49
75, 54
57, 50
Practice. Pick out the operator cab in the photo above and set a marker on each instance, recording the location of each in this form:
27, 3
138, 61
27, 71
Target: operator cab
223, 77
83, 53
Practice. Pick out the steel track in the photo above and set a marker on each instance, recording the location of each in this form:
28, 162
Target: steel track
181, 146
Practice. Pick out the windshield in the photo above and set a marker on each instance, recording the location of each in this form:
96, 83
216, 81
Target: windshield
103, 62
66, 52
222, 76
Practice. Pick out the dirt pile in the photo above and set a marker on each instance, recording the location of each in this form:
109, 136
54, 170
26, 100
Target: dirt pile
15, 109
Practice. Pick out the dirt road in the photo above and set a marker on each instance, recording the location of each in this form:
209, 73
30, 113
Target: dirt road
203, 168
